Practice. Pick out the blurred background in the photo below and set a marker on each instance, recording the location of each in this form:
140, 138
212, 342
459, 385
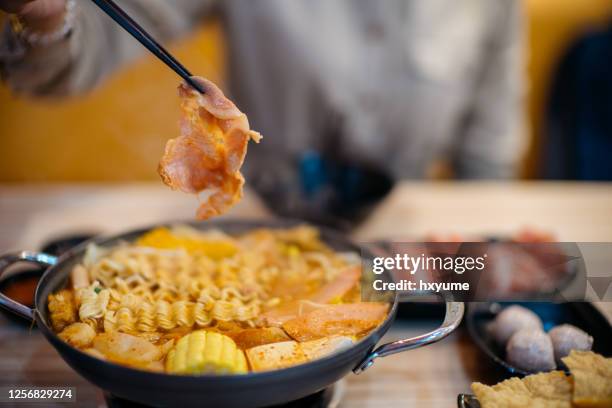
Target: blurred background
117, 132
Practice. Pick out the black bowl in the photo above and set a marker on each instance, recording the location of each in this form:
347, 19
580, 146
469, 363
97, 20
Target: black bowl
580, 314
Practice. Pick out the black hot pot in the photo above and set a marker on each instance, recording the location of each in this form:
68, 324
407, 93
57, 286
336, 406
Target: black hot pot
248, 390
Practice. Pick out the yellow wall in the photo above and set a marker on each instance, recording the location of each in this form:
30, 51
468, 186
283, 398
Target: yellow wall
115, 133
118, 131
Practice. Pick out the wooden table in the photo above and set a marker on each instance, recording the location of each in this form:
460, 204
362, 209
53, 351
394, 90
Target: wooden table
428, 377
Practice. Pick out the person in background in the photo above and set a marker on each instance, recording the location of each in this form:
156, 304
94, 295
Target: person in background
578, 138
393, 85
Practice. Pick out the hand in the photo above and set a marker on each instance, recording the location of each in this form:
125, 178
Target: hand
38, 15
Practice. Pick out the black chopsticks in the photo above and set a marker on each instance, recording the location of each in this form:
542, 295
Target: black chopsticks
124, 20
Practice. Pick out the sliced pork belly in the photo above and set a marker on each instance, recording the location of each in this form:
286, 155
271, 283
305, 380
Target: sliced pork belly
207, 156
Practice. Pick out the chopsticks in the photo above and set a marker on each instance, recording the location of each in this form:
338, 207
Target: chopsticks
124, 20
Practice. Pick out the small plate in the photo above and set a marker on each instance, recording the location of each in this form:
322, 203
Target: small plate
582, 315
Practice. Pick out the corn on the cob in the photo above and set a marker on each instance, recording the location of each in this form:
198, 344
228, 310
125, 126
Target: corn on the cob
206, 352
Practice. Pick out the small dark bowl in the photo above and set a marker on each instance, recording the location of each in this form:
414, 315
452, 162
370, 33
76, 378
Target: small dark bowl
30, 276
580, 314
28, 279
467, 401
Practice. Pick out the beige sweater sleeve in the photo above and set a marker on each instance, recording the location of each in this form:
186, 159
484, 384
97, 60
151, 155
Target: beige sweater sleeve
96, 46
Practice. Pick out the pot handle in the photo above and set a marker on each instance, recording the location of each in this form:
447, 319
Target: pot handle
7, 260
452, 318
